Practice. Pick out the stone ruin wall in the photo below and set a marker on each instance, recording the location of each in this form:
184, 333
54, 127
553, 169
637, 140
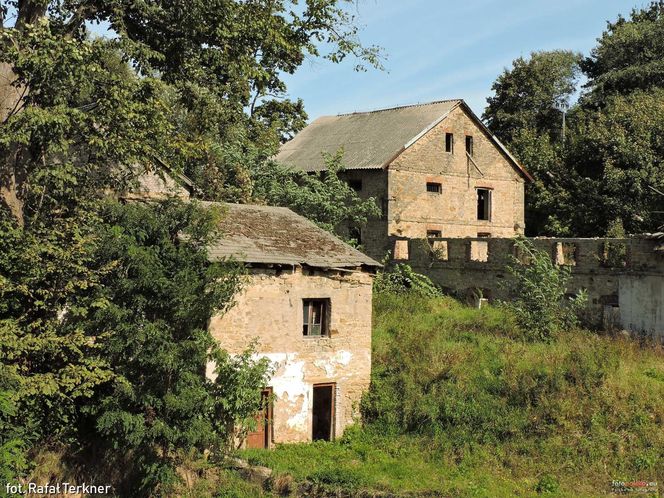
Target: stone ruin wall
624, 277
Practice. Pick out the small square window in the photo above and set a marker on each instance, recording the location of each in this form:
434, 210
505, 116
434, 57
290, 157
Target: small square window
469, 145
434, 188
434, 234
315, 319
449, 143
356, 185
483, 204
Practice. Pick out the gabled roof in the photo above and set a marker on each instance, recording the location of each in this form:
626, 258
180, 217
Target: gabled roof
372, 140
276, 235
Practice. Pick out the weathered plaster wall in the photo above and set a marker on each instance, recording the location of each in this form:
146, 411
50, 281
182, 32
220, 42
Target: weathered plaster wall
633, 290
642, 303
269, 309
413, 210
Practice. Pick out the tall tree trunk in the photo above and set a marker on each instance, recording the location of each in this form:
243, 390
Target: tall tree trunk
12, 173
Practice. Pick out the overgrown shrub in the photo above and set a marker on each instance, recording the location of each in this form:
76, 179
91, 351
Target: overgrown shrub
538, 293
402, 278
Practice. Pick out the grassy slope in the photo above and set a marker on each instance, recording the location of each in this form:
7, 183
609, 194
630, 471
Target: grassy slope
461, 407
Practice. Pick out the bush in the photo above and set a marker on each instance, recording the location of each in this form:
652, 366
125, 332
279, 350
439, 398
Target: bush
402, 278
538, 289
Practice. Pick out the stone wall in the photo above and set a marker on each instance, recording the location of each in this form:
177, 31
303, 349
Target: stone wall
618, 274
374, 239
270, 309
453, 211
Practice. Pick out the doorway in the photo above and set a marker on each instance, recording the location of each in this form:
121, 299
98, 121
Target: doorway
323, 412
261, 437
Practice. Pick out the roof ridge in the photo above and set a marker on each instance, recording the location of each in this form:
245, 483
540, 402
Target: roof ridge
394, 108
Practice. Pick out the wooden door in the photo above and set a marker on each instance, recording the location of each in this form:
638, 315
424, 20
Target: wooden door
262, 436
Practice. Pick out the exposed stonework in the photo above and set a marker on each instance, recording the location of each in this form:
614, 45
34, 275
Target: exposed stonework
395, 153
270, 310
625, 288
412, 211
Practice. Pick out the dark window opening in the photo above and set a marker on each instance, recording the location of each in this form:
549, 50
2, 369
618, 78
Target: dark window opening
469, 145
432, 234
323, 413
356, 185
449, 142
435, 188
356, 234
315, 321
483, 204
483, 235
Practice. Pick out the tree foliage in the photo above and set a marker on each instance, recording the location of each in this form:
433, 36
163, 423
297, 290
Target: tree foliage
629, 55
323, 197
528, 95
608, 168
539, 290
103, 306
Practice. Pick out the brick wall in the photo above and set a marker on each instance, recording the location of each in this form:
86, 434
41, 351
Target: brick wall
462, 266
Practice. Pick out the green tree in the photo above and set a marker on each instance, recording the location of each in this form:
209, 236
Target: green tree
629, 56
323, 197
616, 166
527, 96
151, 328
525, 113
538, 289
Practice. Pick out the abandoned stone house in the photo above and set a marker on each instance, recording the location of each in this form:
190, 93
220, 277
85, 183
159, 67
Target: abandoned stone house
307, 301
435, 170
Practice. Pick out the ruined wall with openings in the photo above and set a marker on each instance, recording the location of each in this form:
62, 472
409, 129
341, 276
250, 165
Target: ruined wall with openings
453, 211
270, 309
624, 277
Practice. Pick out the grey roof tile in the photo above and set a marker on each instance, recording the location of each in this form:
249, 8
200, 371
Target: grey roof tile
277, 235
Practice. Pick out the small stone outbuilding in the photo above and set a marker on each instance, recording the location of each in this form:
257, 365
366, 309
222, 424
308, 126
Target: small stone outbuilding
307, 301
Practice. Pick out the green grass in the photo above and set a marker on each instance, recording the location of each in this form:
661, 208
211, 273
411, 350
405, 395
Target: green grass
461, 406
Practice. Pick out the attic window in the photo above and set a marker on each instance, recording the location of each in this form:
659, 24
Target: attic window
469, 145
434, 234
484, 204
449, 142
434, 188
356, 185
315, 320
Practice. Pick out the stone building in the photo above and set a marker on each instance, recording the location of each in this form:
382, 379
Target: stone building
434, 169
307, 301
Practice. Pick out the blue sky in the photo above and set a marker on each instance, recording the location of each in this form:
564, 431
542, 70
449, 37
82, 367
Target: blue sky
439, 49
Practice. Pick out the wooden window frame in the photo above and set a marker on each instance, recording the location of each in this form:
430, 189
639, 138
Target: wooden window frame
325, 317
470, 146
449, 143
489, 206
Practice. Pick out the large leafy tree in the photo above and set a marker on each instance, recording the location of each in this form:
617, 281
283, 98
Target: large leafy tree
629, 55
609, 174
528, 95
524, 112
99, 304
223, 58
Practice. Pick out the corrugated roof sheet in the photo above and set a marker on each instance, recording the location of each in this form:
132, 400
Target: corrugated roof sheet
276, 235
369, 139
